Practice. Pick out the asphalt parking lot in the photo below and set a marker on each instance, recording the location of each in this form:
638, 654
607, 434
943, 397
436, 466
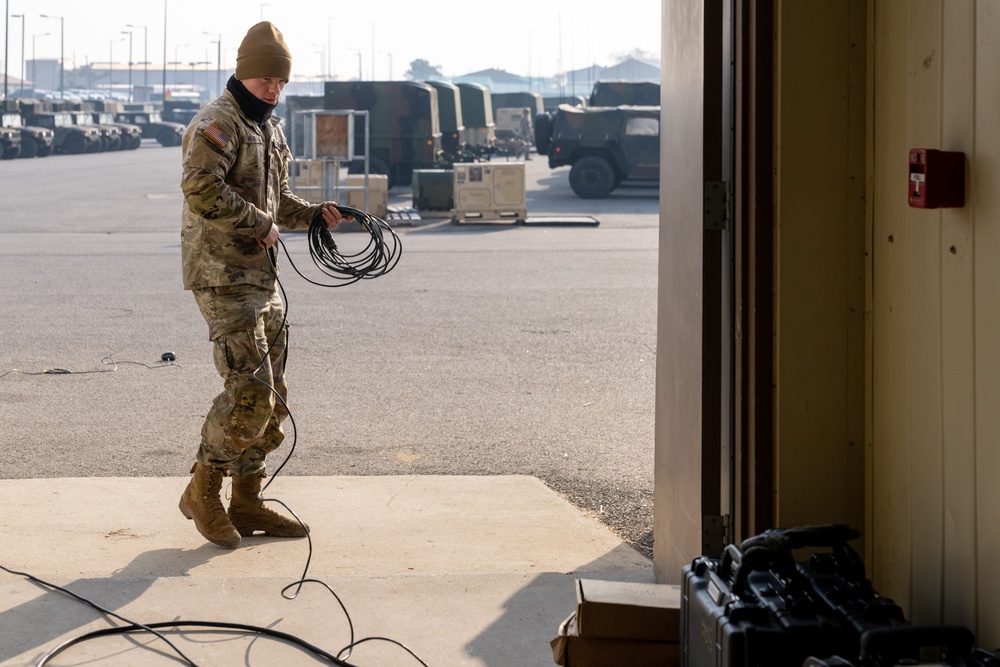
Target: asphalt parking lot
491, 349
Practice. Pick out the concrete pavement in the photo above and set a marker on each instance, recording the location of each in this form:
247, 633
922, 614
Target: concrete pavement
462, 570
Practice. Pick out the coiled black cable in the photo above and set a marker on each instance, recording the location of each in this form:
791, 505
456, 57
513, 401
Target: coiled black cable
377, 258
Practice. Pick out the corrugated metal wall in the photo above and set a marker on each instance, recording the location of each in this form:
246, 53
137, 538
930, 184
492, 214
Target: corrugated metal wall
935, 313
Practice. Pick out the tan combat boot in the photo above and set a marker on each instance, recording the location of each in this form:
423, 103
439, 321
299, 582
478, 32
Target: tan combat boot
247, 511
201, 503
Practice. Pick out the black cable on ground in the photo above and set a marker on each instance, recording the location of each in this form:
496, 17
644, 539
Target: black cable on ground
378, 257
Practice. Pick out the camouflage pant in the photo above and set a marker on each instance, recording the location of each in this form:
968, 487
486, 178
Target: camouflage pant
244, 423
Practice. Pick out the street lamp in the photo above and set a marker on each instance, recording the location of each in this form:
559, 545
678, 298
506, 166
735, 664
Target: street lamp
111, 64
358, 51
21, 87
145, 54
218, 60
390, 63
129, 33
62, 43
322, 60
177, 61
262, 11
34, 62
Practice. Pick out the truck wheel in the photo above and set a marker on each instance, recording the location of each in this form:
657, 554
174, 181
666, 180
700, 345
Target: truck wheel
543, 132
592, 177
75, 144
29, 147
167, 138
12, 152
44, 151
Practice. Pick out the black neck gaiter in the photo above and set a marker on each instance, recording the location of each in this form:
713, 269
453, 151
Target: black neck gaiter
253, 107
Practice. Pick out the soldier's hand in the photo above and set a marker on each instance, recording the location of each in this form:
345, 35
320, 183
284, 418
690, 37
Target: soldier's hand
271, 238
331, 215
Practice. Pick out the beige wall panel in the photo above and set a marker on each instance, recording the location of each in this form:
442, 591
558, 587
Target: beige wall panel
820, 250
677, 474
957, 327
984, 196
891, 504
923, 312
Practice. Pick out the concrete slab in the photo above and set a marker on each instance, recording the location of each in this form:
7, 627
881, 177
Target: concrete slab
462, 570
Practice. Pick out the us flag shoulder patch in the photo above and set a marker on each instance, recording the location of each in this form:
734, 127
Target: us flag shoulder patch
215, 134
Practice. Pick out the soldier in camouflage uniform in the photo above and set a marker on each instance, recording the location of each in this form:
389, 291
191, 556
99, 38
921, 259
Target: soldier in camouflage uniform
236, 193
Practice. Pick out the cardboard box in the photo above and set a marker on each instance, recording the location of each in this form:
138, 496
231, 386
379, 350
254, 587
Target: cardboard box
571, 650
626, 610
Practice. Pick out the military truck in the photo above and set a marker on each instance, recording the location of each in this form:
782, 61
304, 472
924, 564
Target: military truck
69, 138
477, 114
630, 93
509, 140
10, 143
404, 133
180, 110
603, 145
111, 137
35, 141
533, 101
104, 114
453, 146
147, 117
552, 102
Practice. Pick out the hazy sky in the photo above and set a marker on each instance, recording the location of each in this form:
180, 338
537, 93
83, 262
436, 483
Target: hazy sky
537, 37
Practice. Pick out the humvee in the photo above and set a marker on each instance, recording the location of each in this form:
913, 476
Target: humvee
35, 141
628, 93
111, 136
69, 138
167, 133
10, 143
604, 146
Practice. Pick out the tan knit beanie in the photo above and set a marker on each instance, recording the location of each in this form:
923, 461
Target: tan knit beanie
263, 53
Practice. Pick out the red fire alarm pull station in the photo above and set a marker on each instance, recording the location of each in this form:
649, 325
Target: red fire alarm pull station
937, 178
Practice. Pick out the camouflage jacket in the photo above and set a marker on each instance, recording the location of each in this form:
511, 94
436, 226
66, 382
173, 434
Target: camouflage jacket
229, 203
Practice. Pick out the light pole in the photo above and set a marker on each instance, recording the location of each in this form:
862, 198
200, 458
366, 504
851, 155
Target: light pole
62, 43
6, 43
262, 11
373, 51
21, 87
218, 61
129, 33
329, 46
358, 51
145, 54
34, 63
177, 61
111, 64
390, 64
322, 60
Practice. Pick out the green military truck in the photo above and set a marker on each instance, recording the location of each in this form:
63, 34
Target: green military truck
83, 115
627, 93
477, 114
68, 138
10, 143
604, 146
533, 101
404, 131
104, 114
149, 119
35, 141
453, 146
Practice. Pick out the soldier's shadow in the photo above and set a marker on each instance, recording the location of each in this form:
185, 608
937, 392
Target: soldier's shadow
38, 623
